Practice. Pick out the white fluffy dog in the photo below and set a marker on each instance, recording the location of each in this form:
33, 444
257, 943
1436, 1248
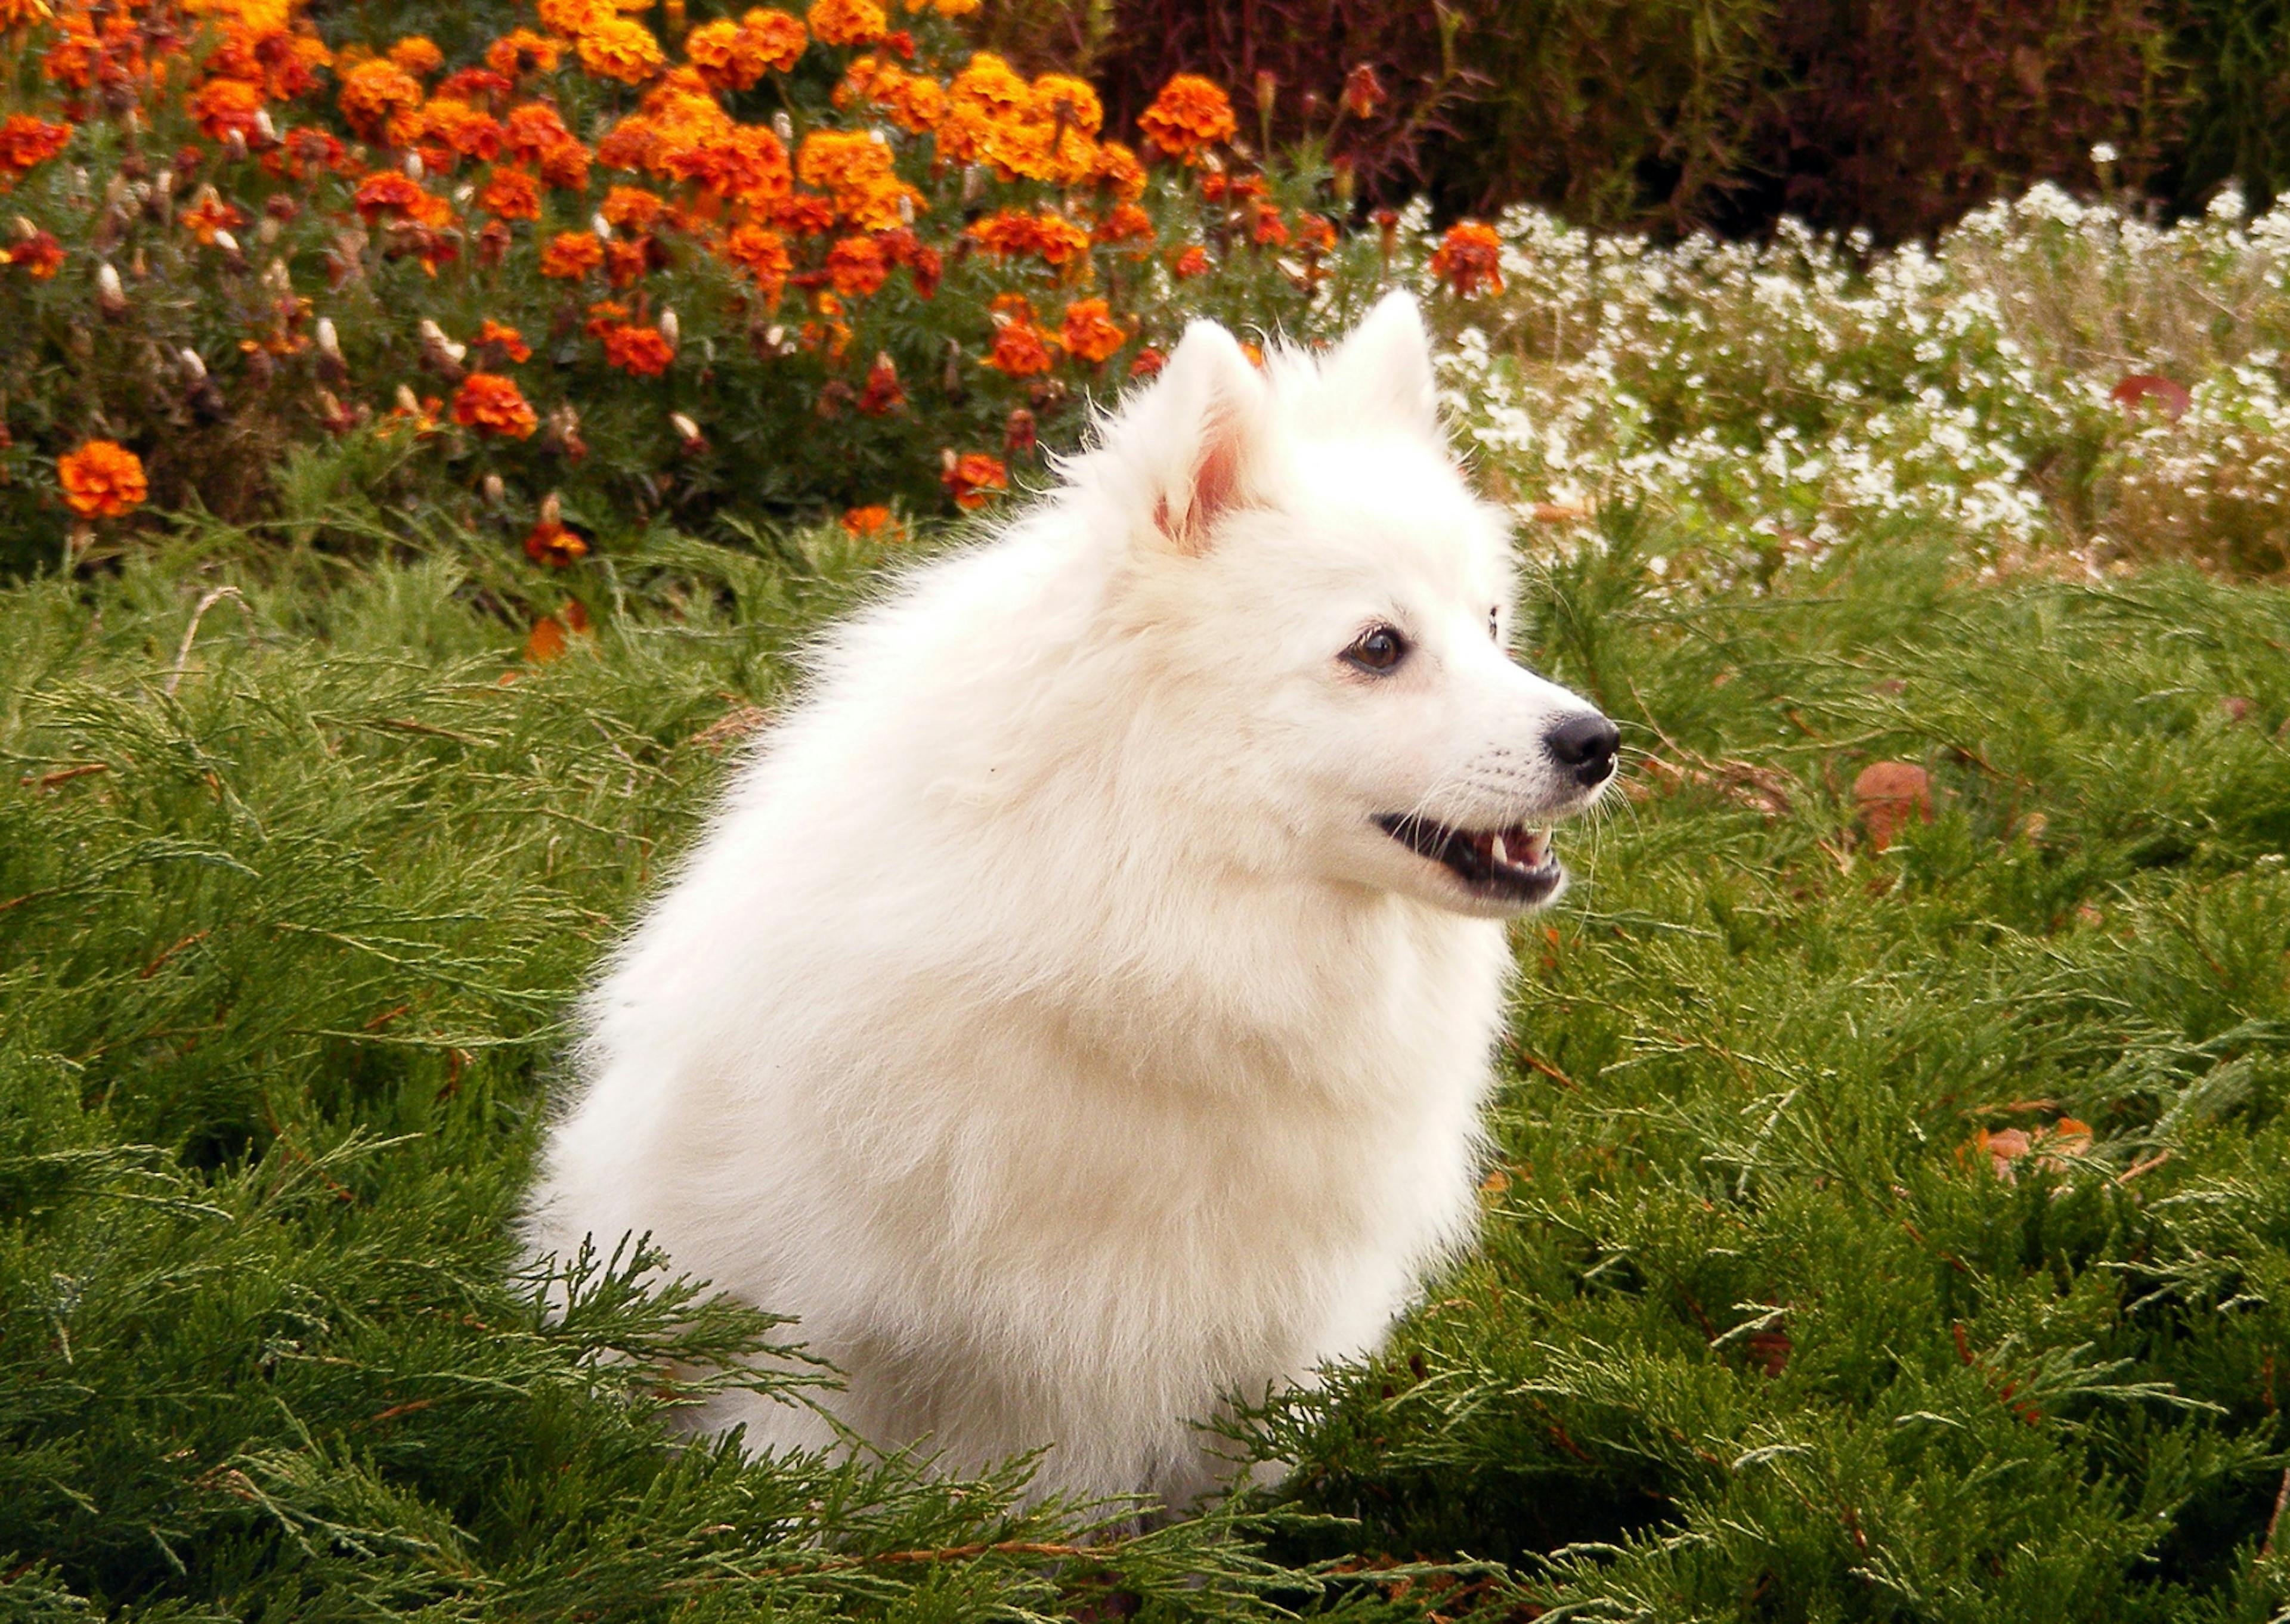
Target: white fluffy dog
1080, 1010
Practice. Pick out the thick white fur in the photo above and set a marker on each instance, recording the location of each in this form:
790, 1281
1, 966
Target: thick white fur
1043, 1020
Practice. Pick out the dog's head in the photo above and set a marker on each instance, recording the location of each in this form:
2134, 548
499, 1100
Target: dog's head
1327, 607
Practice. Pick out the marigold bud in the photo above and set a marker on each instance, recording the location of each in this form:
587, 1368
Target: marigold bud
264, 128
783, 127
415, 170
111, 298
670, 329
228, 244
194, 366
495, 492
552, 509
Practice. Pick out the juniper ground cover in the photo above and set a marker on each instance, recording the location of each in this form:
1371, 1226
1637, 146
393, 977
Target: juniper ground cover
1899, 1234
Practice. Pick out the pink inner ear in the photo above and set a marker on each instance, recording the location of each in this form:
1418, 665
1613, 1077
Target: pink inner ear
1216, 484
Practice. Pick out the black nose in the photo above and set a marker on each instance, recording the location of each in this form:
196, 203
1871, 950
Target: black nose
1584, 746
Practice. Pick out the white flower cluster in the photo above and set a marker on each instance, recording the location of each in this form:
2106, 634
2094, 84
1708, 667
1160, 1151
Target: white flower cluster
2053, 373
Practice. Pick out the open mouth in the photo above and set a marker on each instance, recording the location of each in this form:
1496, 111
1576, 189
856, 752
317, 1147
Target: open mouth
1513, 864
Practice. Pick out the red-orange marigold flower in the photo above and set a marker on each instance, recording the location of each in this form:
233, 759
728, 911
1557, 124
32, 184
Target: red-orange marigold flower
1013, 231
866, 521
1193, 262
1470, 257
391, 192
884, 393
642, 350
1125, 222
1189, 116
857, 266
38, 256
102, 480
972, 478
847, 22
1147, 361
1089, 331
572, 254
512, 194
504, 338
522, 52
551, 542
489, 402
26, 140
1020, 349
631, 208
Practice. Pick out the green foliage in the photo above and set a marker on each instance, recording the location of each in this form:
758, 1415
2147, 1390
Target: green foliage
293, 894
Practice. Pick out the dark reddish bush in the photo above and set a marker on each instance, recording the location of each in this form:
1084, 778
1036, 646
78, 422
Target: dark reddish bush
1900, 115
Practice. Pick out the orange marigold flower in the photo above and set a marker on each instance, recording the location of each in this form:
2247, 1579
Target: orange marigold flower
631, 208
1316, 232
208, 214
38, 256
1470, 257
102, 480
763, 254
847, 22
512, 194
375, 93
489, 402
1012, 231
504, 338
26, 140
972, 478
572, 254
223, 105
857, 266
916, 101
1189, 116
779, 35
856, 169
23, 13
642, 350
1270, 231
572, 18
1020, 349
1119, 171
616, 48
553, 543
521, 51
418, 56
866, 521
1089, 331
1193, 262
1147, 361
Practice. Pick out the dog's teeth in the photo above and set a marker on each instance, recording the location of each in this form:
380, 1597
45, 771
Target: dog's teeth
1495, 849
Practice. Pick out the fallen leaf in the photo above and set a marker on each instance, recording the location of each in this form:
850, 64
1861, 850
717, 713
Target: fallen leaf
2152, 386
1890, 792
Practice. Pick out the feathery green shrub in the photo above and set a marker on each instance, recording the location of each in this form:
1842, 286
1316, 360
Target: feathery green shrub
1868, 1235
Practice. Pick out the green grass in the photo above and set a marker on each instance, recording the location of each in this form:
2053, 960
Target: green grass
1754, 1334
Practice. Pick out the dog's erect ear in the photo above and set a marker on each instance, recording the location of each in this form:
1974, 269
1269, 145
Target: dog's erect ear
1384, 370
1194, 438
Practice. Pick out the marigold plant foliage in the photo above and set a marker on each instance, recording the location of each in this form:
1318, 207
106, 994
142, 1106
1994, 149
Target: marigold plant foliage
247, 256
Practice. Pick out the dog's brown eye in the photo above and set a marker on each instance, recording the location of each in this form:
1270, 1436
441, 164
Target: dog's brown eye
1378, 648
